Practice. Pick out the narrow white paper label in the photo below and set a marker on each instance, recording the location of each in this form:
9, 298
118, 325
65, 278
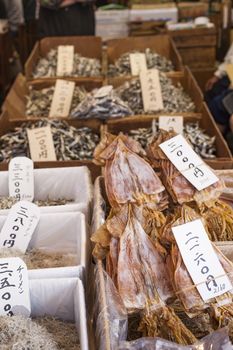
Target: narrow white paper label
171, 123
189, 164
104, 91
14, 288
151, 90
19, 226
137, 63
41, 144
201, 260
21, 178
62, 98
65, 60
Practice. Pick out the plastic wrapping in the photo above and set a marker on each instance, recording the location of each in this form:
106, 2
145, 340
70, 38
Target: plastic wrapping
110, 315
55, 183
51, 236
99, 205
227, 177
62, 298
218, 340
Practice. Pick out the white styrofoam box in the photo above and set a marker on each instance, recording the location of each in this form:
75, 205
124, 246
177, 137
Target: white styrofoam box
65, 233
112, 16
54, 183
62, 298
112, 24
162, 14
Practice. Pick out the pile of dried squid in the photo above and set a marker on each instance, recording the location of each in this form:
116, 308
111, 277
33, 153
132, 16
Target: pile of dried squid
148, 196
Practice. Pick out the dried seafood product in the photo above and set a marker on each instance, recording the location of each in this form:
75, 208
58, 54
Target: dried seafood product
227, 177
39, 258
153, 60
39, 101
202, 143
175, 99
47, 333
123, 181
7, 202
70, 143
101, 105
180, 189
82, 67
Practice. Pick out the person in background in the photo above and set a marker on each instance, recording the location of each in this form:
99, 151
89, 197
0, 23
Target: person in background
66, 18
218, 87
14, 14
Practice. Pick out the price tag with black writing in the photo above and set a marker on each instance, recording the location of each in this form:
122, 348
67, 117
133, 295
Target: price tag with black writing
65, 60
62, 98
171, 123
189, 164
14, 288
201, 260
19, 226
151, 91
21, 178
41, 144
137, 63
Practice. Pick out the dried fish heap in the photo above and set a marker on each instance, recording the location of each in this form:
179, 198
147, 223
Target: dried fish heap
153, 60
69, 143
101, 103
175, 99
82, 67
39, 101
7, 202
202, 143
142, 256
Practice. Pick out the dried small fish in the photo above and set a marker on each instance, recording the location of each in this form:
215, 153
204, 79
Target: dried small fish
47, 333
101, 105
202, 143
175, 99
83, 66
7, 202
122, 65
39, 101
70, 143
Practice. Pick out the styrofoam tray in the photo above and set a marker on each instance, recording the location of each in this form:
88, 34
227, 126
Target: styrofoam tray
54, 183
65, 233
62, 298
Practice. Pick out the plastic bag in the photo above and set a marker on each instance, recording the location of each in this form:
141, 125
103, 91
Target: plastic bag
218, 340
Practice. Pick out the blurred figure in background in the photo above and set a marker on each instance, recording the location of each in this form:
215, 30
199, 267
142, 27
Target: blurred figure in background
66, 18
14, 14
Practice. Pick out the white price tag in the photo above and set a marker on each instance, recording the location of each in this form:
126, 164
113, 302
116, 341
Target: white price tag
41, 144
62, 98
14, 288
171, 123
151, 90
19, 226
104, 91
189, 164
137, 63
201, 260
65, 60
21, 178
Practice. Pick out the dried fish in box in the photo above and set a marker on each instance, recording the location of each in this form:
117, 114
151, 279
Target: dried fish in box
82, 67
70, 143
135, 262
202, 143
102, 105
175, 99
153, 60
39, 101
7, 202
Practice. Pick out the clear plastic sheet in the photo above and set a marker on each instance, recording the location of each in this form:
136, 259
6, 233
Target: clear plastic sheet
110, 315
218, 340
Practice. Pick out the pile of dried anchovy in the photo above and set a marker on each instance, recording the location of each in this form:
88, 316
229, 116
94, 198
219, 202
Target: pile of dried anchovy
175, 99
47, 333
83, 66
70, 143
202, 143
102, 106
122, 65
39, 101
7, 202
